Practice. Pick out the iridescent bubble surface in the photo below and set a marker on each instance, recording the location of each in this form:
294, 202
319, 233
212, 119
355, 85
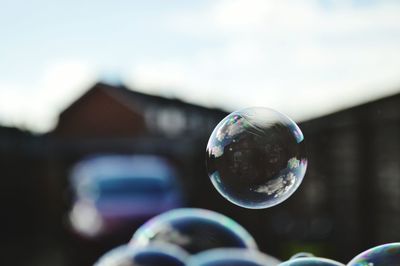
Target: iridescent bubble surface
256, 157
311, 261
154, 255
232, 257
383, 255
194, 230
112, 257
302, 255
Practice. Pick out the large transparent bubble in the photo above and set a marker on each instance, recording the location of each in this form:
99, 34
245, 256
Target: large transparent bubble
194, 230
311, 261
153, 255
232, 257
256, 157
384, 255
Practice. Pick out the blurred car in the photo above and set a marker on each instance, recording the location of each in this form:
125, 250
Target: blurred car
113, 192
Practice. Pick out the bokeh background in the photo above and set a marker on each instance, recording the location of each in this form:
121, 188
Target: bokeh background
90, 79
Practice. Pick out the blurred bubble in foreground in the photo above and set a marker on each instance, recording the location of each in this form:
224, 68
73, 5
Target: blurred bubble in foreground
194, 230
384, 255
311, 261
155, 255
256, 157
232, 257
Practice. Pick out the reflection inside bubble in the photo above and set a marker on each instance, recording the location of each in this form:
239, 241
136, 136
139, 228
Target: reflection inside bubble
194, 230
256, 157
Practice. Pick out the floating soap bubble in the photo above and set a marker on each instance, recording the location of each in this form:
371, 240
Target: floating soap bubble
194, 230
311, 261
232, 257
154, 255
384, 255
256, 157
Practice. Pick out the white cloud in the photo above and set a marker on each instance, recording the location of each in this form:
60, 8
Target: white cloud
158, 76
300, 57
36, 105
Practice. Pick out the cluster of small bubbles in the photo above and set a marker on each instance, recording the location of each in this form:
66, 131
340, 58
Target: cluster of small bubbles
154, 255
215, 240
232, 257
194, 230
383, 255
311, 261
256, 157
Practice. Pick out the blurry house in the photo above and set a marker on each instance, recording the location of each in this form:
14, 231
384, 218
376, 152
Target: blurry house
113, 119
116, 112
116, 120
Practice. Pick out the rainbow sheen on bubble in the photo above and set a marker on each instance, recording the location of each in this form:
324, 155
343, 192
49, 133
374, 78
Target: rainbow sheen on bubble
154, 255
311, 261
232, 257
302, 255
194, 230
256, 157
112, 257
383, 255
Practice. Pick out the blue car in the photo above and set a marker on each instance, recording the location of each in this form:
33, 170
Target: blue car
116, 191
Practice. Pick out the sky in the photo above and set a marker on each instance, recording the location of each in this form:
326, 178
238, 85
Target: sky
305, 58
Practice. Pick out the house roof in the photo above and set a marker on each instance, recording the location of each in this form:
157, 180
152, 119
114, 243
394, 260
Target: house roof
137, 100
116, 111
